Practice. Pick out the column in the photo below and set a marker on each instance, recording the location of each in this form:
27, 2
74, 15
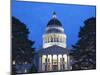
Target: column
61, 39
40, 64
62, 63
46, 63
57, 62
66, 63
52, 62
69, 65
52, 38
55, 38
58, 39
64, 40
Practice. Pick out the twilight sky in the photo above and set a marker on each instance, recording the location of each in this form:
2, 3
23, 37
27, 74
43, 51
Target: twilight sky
36, 16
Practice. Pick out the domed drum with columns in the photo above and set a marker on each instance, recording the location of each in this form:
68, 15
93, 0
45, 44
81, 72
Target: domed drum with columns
54, 56
54, 34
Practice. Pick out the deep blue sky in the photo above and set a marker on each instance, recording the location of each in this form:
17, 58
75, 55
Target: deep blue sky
37, 15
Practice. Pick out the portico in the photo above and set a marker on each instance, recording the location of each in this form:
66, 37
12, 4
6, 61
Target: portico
54, 60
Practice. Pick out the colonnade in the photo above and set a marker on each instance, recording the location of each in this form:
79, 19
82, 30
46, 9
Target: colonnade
54, 62
56, 38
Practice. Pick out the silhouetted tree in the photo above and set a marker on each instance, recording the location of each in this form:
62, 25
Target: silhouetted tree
84, 51
22, 51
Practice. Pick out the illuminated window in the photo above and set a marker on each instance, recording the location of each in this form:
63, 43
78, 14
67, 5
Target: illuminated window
43, 59
65, 57
13, 62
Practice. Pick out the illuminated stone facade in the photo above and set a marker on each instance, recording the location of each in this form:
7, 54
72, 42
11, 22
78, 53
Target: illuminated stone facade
54, 56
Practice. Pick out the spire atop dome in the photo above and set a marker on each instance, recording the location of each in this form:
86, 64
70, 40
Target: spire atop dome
54, 14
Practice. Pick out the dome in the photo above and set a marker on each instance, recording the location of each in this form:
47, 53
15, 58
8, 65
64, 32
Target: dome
54, 30
54, 33
54, 22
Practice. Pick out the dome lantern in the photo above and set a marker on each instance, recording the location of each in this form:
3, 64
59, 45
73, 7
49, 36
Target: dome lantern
54, 14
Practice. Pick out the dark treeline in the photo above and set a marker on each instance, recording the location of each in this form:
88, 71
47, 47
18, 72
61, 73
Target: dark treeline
84, 51
22, 51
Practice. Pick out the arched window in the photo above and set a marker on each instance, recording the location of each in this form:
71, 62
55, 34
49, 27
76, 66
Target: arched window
55, 58
65, 57
43, 58
49, 58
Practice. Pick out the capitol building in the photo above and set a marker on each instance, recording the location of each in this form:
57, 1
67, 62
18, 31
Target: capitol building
54, 54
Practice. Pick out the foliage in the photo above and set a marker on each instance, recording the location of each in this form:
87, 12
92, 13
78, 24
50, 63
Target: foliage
22, 50
84, 51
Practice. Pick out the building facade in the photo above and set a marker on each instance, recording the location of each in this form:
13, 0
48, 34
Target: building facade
54, 55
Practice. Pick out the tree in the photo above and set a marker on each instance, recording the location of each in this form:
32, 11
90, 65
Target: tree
22, 51
84, 51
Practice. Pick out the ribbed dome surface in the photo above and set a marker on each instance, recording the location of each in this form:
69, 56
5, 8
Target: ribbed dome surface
54, 22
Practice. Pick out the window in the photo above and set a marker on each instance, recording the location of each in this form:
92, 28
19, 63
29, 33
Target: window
57, 40
51, 39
